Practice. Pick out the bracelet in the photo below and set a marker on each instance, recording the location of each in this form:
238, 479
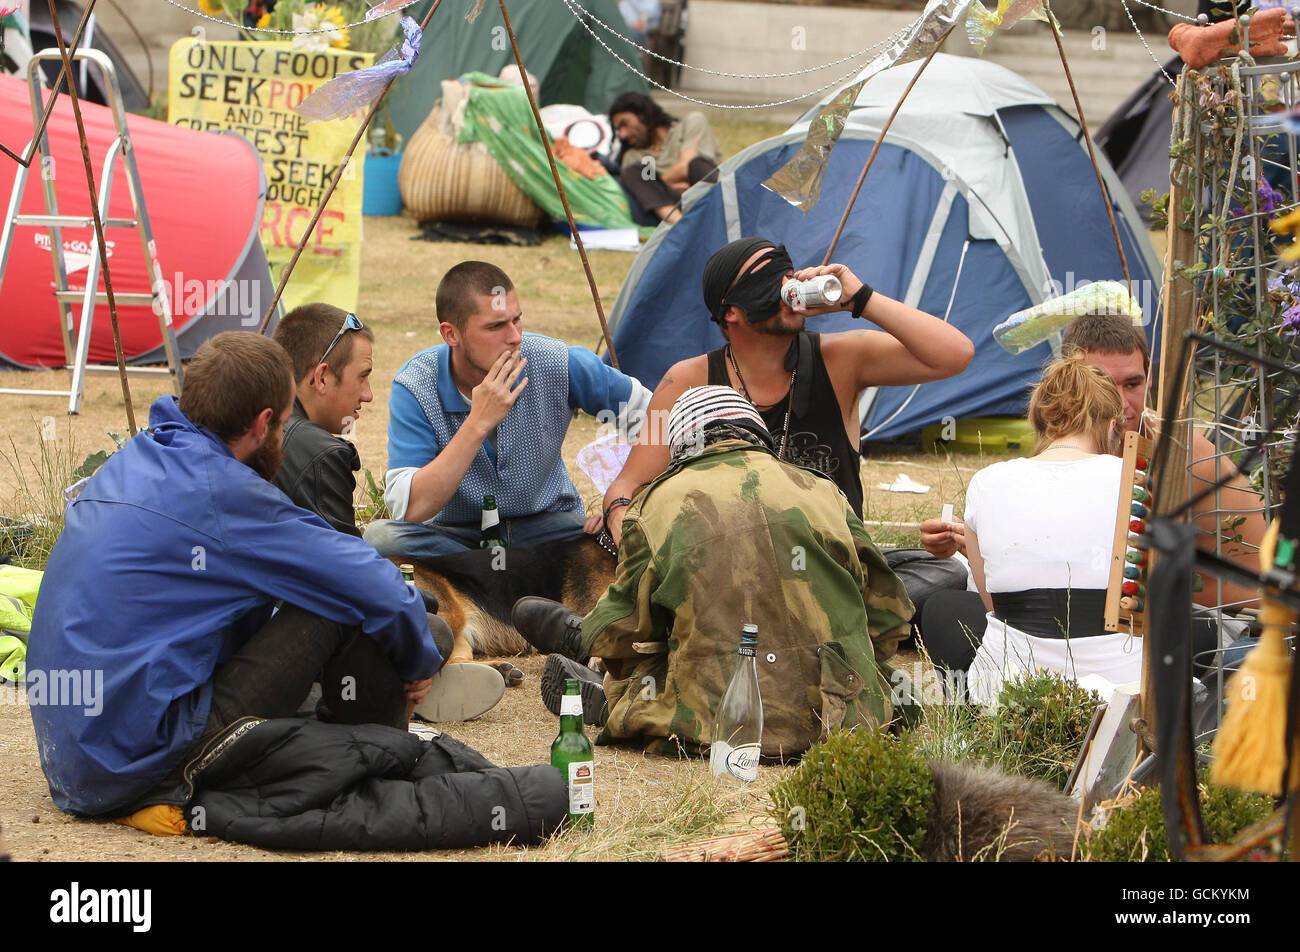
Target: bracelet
620, 501
859, 300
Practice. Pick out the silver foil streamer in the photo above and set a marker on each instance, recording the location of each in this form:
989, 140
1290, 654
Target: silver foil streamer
799, 181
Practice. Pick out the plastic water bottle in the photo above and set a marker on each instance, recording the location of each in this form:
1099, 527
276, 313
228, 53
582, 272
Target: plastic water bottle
738, 725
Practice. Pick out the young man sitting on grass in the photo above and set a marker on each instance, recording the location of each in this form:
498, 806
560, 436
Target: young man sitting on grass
332, 354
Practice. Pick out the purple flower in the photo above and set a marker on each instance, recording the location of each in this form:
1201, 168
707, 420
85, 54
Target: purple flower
1269, 199
1291, 320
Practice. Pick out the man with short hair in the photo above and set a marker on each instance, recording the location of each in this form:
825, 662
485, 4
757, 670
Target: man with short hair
486, 413
332, 354
332, 357
662, 157
805, 386
730, 535
163, 582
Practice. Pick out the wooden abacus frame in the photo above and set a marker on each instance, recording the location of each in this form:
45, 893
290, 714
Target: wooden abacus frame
1127, 613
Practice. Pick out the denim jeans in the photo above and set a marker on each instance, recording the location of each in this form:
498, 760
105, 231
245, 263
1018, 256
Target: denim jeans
425, 540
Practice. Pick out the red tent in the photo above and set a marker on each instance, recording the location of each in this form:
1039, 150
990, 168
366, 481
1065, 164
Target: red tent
204, 194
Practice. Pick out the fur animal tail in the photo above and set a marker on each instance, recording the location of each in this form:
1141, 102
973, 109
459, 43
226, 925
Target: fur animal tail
979, 813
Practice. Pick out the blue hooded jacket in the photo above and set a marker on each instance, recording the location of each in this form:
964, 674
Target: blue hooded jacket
170, 560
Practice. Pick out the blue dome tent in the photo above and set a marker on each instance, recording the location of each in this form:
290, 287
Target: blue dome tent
981, 202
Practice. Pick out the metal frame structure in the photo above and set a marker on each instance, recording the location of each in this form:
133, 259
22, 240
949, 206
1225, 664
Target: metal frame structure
120, 149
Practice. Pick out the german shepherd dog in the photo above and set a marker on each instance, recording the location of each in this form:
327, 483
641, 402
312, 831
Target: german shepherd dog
477, 588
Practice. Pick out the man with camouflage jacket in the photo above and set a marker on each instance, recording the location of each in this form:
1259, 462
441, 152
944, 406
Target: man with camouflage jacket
728, 535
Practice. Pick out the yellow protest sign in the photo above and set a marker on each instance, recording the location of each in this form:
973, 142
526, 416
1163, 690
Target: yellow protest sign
251, 88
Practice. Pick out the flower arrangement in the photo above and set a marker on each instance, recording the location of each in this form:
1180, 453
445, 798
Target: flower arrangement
318, 25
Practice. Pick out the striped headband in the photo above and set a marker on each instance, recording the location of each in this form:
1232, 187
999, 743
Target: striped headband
700, 406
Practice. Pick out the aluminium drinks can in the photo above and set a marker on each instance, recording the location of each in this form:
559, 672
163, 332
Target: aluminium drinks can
815, 292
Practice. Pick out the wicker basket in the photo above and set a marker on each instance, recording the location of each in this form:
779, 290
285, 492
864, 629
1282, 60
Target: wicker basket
441, 180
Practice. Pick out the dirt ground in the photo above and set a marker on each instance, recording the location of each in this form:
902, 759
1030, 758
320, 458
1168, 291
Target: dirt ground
635, 792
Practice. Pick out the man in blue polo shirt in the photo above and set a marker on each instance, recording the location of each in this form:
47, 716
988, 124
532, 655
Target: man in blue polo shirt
486, 414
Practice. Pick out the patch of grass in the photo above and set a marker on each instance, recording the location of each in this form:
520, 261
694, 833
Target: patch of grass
633, 827
1135, 833
1038, 728
859, 796
35, 520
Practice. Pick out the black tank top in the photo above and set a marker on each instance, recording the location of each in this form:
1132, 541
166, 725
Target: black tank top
817, 439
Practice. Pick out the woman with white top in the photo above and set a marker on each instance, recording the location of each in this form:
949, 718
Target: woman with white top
1038, 535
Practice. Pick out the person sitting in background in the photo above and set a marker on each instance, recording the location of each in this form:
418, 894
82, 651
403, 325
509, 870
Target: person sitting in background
662, 157
1038, 535
729, 535
1233, 521
332, 355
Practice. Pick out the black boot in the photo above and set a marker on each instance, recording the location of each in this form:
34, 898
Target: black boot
549, 627
590, 684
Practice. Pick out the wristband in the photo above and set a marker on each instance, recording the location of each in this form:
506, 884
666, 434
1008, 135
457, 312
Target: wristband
859, 300
620, 501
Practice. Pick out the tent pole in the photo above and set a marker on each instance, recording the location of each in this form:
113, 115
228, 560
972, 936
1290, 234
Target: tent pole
94, 209
830, 250
1087, 140
329, 191
564, 199
54, 94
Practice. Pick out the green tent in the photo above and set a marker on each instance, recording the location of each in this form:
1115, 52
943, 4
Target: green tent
570, 66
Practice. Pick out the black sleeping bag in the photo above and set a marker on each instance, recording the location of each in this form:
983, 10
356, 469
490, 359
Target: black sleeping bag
300, 784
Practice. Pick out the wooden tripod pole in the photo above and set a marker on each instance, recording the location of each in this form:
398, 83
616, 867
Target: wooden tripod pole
94, 212
329, 191
564, 198
1087, 140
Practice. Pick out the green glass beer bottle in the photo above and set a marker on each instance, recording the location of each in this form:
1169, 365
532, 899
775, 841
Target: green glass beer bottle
490, 533
408, 572
571, 755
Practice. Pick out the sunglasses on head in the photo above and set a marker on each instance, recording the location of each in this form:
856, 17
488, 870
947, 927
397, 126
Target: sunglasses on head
350, 323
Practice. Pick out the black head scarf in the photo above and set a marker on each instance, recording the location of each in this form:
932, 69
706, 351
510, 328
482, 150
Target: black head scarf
758, 294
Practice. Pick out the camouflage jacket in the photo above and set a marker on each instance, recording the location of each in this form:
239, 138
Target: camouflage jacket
729, 536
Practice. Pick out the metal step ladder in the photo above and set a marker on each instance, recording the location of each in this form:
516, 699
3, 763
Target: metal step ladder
121, 149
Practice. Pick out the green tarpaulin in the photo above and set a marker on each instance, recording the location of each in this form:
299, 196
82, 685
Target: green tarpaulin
570, 66
499, 116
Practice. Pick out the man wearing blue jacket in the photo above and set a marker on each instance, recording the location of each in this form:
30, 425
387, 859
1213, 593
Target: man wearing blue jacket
154, 635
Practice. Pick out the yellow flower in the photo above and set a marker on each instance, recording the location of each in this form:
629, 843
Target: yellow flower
264, 21
330, 18
212, 8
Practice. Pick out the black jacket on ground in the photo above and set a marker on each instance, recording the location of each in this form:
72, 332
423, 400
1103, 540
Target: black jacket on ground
317, 471
300, 784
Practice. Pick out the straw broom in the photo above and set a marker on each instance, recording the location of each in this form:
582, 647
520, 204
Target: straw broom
758, 846
1250, 749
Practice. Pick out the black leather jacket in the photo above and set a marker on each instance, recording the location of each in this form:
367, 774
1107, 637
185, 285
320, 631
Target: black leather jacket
317, 471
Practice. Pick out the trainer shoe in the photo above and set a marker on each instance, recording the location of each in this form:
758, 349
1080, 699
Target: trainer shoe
549, 627
460, 692
591, 685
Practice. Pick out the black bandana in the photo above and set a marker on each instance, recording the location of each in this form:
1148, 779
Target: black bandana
758, 291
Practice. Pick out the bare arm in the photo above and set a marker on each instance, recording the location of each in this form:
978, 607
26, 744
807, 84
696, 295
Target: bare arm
436, 481
1237, 519
915, 347
977, 567
677, 173
650, 457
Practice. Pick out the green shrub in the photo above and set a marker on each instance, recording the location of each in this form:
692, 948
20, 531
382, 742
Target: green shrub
1038, 728
1136, 833
856, 796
